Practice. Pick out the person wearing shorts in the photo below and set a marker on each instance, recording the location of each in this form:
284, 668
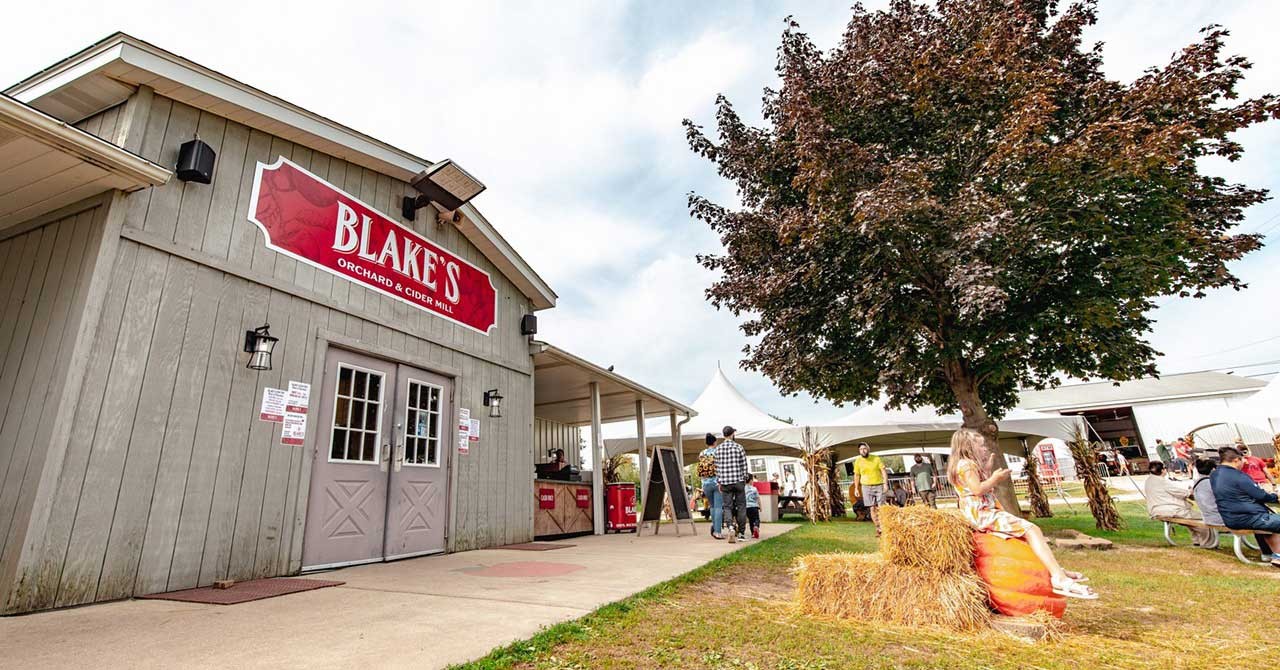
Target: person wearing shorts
922, 479
869, 477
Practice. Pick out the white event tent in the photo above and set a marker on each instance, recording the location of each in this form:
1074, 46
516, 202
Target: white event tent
897, 429
720, 405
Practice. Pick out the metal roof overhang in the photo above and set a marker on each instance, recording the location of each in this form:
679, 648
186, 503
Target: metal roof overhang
46, 164
562, 392
108, 72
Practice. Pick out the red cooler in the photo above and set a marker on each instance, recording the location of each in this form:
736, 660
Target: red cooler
620, 499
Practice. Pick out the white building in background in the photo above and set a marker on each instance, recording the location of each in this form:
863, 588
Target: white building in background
790, 472
1215, 407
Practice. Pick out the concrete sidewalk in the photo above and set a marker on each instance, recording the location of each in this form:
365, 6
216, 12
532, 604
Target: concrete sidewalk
421, 613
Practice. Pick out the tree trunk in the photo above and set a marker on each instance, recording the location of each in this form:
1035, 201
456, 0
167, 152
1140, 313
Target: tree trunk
965, 388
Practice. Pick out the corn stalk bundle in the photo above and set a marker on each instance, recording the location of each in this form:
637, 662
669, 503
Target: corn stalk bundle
834, 491
1035, 491
817, 500
918, 536
611, 467
866, 587
1101, 505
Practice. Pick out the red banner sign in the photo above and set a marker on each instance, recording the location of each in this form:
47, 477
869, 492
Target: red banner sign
315, 222
583, 497
546, 498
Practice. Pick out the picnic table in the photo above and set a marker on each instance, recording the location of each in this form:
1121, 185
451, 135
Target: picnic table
793, 504
1240, 538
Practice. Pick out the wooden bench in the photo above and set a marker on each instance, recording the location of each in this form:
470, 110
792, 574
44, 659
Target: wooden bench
1239, 538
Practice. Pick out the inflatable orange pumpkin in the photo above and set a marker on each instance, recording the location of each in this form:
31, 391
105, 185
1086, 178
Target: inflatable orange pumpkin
1017, 582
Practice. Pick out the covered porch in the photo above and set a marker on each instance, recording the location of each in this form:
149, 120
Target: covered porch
570, 394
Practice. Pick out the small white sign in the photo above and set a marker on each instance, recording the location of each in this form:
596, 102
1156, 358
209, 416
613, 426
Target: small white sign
294, 430
299, 397
474, 433
464, 430
273, 403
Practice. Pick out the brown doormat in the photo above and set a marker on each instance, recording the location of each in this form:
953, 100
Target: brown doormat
537, 546
243, 592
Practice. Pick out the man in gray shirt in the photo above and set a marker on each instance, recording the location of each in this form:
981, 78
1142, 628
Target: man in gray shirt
922, 478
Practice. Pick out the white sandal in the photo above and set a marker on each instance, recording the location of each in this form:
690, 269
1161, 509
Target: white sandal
1073, 589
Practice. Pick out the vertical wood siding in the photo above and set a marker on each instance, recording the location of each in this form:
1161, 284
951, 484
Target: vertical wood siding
40, 284
170, 480
548, 435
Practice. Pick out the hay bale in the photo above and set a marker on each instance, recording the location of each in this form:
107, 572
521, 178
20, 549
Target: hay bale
923, 537
865, 587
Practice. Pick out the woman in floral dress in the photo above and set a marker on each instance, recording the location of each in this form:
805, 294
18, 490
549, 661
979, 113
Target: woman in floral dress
978, 506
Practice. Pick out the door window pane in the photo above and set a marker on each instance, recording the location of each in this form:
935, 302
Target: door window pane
422, 425
338, 448
357, 413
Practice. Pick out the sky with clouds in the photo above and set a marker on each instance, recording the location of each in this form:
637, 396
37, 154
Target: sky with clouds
570, 113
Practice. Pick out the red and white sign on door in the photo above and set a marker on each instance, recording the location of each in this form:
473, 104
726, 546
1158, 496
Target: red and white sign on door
309, 219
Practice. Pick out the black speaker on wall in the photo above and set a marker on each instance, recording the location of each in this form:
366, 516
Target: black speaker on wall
195, 162
528, 325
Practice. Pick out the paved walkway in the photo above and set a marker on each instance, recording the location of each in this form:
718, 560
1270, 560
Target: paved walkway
421, 613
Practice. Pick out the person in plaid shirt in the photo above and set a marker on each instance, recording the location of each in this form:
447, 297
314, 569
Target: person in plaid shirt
731, 472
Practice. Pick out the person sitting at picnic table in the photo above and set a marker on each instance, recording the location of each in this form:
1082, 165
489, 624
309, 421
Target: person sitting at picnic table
1168, 498
1202, 490
1255, 467
968, 473
1243, 505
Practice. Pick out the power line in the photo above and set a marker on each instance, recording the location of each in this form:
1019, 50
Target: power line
1222, 367
1238, 348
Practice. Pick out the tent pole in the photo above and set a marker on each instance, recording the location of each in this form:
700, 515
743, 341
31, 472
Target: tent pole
597, 463
643, 452
677, 442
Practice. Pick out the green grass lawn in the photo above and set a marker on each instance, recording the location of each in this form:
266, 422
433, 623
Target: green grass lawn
1162, 607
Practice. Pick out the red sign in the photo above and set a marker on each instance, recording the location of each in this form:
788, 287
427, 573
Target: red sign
583, 497
313, 221
546, 498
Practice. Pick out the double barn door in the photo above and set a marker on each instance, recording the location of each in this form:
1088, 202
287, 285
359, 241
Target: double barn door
380, 476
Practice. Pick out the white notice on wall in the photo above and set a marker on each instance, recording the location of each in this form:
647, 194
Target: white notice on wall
273, 401
299, 397
464, 430
474, 434
294, 431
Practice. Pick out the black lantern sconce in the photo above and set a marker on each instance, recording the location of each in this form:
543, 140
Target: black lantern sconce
259, 344
493, 400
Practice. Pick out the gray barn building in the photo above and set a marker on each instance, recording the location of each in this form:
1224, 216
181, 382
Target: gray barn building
140, 454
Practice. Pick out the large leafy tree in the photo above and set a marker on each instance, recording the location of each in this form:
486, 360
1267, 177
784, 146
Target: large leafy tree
955, 202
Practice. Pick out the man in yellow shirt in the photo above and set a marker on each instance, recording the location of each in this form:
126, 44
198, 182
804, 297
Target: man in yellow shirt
869, 477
